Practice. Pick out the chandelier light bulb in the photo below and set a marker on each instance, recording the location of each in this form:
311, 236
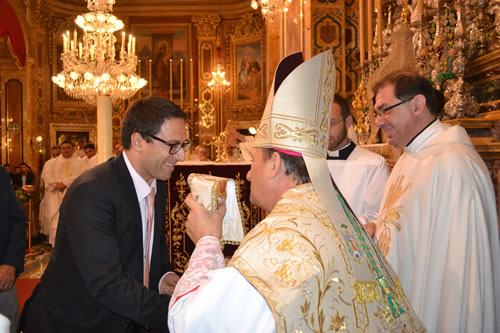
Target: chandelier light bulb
89, 64
269, 7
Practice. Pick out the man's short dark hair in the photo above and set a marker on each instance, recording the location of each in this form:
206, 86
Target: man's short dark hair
89, 145
26, 165
146, 116
66, 142
344, 105
407, 85
55, 147
295, 166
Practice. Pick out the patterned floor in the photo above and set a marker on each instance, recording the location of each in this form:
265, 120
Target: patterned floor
34, 265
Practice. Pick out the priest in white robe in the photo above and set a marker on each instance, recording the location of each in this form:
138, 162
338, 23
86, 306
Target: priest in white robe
58, 174
437, 224
90, 159
308, 266
359, 174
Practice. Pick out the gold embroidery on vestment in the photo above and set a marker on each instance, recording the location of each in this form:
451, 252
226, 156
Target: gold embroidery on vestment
390, 214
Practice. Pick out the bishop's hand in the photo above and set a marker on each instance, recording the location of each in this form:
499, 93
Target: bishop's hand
202, 222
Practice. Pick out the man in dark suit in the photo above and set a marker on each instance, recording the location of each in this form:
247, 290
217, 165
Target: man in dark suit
25, 177
97, 277
12, 241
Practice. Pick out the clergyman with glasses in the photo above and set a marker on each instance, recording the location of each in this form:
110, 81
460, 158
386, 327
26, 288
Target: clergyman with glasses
110, 269
437, 223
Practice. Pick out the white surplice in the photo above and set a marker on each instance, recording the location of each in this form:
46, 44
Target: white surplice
210, 298
58, 170
361, 179
437, 226
89, 163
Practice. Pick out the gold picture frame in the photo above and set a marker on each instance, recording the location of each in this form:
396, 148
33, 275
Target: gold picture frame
247, 70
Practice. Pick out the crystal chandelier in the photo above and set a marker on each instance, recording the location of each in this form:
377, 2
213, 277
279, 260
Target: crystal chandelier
219, 78
270, 7
92, 67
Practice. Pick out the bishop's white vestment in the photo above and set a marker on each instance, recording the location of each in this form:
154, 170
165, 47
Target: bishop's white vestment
361, 177
58, 170
296, 271
437, 227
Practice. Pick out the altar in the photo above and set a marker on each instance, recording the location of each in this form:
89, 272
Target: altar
179, 245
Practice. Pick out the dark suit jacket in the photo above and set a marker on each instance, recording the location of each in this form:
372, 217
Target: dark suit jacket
12, 225
17, 180
94, 280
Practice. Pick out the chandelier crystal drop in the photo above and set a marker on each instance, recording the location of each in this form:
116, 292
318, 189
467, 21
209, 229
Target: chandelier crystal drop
269, 8
93, 67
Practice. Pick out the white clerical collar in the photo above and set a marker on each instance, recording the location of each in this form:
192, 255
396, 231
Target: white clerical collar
433, 130
335, 153
141, 186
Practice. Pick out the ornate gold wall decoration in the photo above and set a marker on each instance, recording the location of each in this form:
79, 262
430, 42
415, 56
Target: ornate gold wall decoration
206, 25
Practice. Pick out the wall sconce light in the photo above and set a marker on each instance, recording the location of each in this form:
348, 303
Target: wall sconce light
37, 143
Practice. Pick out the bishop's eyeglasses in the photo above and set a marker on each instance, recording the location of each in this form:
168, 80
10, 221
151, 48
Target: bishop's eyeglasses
174, 147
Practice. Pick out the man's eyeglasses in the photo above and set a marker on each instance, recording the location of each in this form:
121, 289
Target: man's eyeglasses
174, 147
382, 111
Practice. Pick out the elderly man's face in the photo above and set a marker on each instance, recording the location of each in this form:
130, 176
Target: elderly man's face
398, 122
66, 150
259, 182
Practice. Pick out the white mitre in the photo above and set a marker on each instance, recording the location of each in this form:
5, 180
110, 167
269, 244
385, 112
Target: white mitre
296, 118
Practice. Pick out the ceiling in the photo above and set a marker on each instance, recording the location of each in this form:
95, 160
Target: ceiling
148, 8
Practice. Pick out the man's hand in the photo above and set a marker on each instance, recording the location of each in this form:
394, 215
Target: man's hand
60, 187
7, 277
202, 222
168, 283
370, 229
233, 137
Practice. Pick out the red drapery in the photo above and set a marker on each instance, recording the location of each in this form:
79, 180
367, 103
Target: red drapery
10, 27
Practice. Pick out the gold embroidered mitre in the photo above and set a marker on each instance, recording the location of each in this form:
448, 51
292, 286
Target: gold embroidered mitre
296, 116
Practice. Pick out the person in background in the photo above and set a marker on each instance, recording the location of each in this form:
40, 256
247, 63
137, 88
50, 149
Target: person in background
90, 158
58, 174
117, 149
25, 177
437, 225
360, 174
204, 153
12, 240
55, 151
109, 269
242, 142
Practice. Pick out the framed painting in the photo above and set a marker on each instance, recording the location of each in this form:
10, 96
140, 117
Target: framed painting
247, 71
165, 55
78, 134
